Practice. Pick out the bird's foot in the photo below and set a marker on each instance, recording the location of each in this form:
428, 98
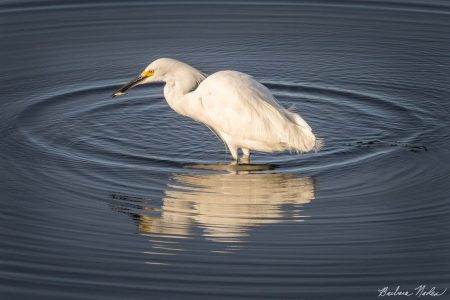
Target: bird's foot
245, 159
234, 162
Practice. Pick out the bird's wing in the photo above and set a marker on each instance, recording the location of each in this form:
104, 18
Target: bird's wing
237, 105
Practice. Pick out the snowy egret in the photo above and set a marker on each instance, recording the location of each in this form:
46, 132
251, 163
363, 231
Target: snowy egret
237, 108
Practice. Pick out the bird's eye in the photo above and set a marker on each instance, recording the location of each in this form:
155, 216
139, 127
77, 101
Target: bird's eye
147, 73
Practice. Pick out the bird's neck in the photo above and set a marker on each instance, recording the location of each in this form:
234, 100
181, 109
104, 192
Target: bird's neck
176, 97
179, 94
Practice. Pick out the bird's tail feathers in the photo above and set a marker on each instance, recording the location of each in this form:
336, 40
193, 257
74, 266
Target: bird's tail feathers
319, 144
300, 139
296, 119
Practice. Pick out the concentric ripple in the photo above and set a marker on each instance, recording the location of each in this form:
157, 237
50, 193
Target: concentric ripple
140, 130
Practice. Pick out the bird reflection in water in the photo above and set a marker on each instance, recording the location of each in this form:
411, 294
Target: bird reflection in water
224, 206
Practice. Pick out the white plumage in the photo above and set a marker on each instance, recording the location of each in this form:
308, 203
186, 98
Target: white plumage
240, 110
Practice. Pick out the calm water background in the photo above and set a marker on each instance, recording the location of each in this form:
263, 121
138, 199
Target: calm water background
97, 197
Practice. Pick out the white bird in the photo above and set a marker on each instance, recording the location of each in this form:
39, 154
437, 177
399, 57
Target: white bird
240, 110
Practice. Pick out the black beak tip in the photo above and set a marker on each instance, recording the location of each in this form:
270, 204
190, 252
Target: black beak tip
127, 86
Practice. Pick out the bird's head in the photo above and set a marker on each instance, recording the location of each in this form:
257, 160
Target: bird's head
162, 70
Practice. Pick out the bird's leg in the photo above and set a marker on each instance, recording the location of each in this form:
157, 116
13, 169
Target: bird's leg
245, 159
234, 154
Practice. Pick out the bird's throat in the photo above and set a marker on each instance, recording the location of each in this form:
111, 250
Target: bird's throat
176, 97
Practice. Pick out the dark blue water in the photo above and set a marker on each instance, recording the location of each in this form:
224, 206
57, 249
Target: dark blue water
110, 199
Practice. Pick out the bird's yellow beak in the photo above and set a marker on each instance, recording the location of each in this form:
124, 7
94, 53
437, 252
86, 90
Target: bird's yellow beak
133, 82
